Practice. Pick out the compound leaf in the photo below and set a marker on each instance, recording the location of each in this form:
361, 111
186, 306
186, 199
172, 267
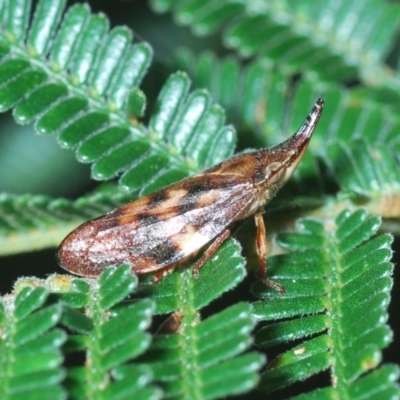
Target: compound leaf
338, 281
210, 355
30, 347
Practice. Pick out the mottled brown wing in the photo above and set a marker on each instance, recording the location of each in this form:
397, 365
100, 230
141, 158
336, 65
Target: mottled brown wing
160, 229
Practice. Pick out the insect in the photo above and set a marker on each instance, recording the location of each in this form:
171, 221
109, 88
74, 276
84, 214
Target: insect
157, 232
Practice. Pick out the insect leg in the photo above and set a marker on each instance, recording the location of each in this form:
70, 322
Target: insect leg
262, 253
215, 245
172, 324
160, 274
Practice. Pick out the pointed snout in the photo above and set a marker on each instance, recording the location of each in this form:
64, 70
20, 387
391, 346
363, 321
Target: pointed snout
291, 151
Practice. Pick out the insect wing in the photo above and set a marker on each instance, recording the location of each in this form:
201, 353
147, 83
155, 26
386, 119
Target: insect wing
160, 229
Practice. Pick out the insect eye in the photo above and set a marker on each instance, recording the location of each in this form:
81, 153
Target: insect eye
274, 172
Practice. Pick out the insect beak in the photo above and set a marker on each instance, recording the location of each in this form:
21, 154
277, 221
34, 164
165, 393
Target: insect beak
291, 151
302, 137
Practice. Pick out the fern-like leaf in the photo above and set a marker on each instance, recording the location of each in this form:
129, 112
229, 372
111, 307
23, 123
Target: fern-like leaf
265, 99
23, 217
303, 36
370, 174
208, 364
338, 281
49, 82
112, 333
112, 342
30, 347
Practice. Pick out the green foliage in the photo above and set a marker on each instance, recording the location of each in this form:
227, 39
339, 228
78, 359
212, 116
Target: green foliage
332, 292
33, 349
353, 36
194, 362
30, 347
259, 101
22, 217
65, 72
368, 172
93, 125
112, 336
112, 332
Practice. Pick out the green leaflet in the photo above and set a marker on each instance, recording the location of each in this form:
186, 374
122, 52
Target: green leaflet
112, 333
338, 282
22, 217
111, 336
302, 36
195, 362
30, 347
368, 174
89, 109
